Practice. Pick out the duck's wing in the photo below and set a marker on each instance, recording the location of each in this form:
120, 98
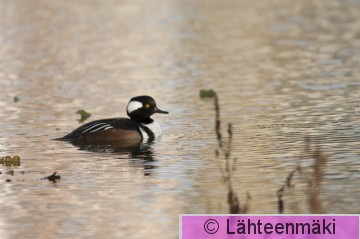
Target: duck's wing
101, 125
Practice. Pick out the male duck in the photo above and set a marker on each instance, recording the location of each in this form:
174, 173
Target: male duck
140, 127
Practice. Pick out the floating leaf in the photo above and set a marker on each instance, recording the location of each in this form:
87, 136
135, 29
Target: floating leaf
83, 115
8, 161
207, 93
16, 161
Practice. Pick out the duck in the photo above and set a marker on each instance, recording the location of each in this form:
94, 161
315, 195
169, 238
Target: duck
139, 127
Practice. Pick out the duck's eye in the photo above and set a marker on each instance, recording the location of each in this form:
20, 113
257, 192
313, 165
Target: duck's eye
147, 106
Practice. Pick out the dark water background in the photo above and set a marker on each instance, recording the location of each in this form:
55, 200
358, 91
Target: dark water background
284, 70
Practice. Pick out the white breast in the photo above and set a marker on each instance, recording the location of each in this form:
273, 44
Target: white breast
154, 127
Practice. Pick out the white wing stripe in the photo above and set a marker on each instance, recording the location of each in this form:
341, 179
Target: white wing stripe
93, 126
104, 127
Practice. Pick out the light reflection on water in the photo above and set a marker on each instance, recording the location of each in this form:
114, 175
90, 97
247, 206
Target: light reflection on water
283, 71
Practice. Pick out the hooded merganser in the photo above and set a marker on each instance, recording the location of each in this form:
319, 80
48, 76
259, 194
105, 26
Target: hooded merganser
139, 127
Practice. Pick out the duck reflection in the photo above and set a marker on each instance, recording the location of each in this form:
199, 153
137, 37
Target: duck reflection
138, 151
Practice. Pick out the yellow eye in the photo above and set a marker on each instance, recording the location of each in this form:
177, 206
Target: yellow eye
147, 106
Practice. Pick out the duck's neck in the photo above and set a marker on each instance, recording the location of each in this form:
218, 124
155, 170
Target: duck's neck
143, 121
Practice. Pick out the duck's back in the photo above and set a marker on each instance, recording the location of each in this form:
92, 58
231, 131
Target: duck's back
106, 130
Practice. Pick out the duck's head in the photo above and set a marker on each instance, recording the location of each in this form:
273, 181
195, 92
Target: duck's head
140, 108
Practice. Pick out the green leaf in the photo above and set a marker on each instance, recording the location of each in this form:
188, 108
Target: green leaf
83, 115
8, 161
207, 93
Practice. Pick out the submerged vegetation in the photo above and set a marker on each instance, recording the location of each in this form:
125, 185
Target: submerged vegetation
313, 176
15, 161
223, 154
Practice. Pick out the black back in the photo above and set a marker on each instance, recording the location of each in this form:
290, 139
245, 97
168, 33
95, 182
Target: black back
116, 123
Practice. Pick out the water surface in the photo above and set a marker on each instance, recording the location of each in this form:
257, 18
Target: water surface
283, 71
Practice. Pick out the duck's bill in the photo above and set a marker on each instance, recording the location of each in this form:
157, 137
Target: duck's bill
157, 110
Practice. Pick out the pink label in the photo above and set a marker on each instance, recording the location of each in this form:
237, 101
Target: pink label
269, 227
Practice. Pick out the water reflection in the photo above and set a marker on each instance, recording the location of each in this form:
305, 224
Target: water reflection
139, 152
283, 70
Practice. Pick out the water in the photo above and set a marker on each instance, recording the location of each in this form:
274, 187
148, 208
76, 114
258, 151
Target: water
283, 70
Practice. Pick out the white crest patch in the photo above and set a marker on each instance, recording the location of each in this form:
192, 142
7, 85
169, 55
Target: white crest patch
133, 105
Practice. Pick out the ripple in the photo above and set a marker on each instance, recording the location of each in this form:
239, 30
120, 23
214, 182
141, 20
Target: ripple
286, 80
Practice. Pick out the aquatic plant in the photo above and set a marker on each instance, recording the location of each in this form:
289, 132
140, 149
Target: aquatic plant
223, 154
207, 93
315, 180
8, 161
53, 177
313, 177
83, 115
